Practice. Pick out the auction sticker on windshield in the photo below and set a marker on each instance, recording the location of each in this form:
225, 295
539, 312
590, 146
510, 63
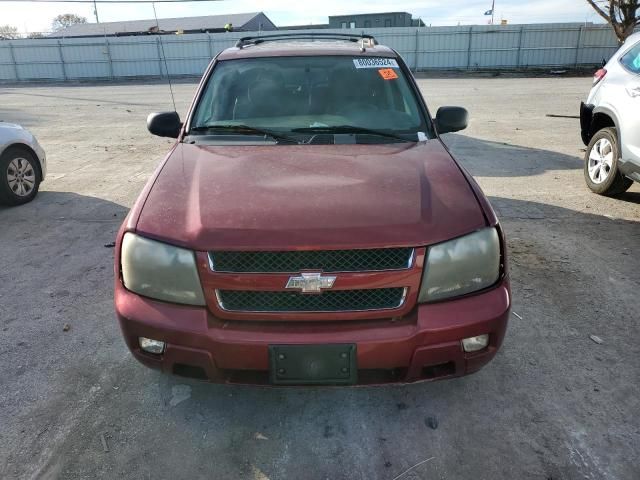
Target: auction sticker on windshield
375, 63
388, 73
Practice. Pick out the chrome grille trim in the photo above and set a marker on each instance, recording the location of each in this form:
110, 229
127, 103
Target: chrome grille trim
407, 266
411, 258
400, 304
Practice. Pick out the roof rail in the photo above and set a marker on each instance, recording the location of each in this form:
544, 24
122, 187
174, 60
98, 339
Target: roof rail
365, 40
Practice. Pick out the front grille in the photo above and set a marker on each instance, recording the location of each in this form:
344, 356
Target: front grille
322, 260
335, 301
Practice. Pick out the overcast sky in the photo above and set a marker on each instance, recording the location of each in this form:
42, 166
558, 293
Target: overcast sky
38, 16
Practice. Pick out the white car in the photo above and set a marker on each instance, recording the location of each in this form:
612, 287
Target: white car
23, 165
610, 123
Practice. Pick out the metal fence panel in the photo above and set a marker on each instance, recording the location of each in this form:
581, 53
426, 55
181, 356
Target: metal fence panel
187, 56
86, 58
443, 49
598, 44
423, 48
40, 71
136, 58
40, 60
7, 62
5, 54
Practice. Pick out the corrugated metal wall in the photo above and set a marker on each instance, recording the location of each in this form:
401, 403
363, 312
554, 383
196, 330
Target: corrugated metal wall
426, 48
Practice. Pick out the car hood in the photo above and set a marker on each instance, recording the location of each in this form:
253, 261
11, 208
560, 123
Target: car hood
284, 197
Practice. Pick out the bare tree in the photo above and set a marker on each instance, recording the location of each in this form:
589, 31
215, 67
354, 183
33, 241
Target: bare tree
36, 35
8, 32
622, 15
66, 20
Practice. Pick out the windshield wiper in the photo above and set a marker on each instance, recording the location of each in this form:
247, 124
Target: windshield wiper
350, 129
243, 130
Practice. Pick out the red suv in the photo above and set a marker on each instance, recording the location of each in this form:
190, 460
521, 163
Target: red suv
310, 227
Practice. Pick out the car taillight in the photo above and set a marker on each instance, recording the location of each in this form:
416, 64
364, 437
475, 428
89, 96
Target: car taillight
599, 75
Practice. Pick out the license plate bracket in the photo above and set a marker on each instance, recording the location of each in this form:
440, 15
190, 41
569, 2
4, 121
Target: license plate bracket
334, 364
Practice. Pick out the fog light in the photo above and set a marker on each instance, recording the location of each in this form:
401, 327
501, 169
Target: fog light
151, 346
473, 344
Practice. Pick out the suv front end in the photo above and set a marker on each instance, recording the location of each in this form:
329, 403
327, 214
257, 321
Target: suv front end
411, 330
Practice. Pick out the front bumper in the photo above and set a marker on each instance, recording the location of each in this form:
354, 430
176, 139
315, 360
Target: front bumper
586, 117
423, 345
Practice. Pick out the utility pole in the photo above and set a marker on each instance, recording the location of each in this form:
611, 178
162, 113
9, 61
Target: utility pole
95, 11
493, 10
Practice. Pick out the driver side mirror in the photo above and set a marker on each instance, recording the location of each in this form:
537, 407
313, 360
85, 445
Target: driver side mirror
164, 124
451, 119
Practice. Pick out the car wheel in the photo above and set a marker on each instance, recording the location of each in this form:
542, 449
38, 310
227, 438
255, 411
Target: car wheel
601, 164
19, 176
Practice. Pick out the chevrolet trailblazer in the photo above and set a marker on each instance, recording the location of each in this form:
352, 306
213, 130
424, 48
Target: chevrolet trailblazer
309, 226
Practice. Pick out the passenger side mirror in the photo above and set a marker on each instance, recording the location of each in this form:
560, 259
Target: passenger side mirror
451, 119
164, 124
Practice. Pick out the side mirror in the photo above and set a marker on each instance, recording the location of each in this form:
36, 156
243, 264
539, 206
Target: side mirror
164, 124
451, 119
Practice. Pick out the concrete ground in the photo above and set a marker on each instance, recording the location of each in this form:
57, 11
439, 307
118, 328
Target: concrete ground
552, 405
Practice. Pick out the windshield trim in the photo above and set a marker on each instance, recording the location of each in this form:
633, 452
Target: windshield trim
415, 90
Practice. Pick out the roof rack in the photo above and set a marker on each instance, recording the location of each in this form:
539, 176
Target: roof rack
365, 40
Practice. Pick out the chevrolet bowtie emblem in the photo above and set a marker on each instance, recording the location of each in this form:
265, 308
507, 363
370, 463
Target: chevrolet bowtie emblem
311, 282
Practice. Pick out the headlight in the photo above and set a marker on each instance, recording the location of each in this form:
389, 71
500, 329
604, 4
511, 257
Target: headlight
160, 271
461, 266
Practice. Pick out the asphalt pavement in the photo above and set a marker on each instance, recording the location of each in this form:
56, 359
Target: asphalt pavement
553, 404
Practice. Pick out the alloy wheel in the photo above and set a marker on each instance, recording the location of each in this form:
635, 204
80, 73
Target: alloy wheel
21, 177
600, 161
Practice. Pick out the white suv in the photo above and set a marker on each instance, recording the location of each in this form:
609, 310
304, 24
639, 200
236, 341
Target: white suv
610, 123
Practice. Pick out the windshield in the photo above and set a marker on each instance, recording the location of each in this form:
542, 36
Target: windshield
298, 96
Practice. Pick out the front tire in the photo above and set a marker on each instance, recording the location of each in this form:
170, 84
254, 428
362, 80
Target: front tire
19, 176
601, 164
